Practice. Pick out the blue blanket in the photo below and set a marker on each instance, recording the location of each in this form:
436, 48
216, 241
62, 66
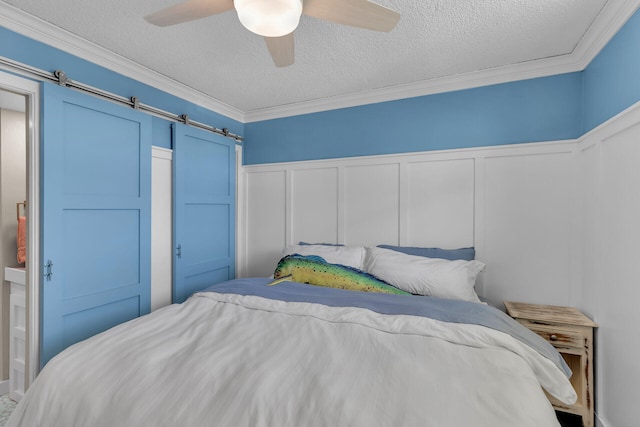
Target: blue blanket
446, 310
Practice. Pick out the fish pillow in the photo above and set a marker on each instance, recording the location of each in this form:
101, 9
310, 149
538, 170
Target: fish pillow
314, 270
352, 256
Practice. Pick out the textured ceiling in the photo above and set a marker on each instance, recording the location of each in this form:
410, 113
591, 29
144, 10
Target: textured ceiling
434, 39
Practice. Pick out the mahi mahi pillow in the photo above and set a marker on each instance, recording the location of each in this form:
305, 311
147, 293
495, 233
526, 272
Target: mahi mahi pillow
352, 256
314, 270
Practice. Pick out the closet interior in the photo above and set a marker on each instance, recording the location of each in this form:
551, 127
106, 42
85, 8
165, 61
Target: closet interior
13, 219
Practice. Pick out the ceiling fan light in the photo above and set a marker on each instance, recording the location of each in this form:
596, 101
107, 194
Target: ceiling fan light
269, 18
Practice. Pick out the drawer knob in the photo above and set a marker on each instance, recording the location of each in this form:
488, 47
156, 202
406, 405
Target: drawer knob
553, 337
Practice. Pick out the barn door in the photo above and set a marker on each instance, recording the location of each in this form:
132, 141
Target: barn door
204, 203
96, 210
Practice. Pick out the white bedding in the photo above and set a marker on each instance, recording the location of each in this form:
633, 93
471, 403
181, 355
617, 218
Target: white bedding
230, 360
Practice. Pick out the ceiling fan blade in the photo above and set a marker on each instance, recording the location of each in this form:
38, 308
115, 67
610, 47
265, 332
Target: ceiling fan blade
189, 10
355, 13
281, 50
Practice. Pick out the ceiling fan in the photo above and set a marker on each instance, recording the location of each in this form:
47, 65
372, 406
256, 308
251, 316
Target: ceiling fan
276, 20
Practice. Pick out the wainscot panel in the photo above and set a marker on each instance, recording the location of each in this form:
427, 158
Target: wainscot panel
514, 204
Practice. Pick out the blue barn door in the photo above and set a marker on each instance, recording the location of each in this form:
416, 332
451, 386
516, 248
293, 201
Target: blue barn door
96, 214
204, 215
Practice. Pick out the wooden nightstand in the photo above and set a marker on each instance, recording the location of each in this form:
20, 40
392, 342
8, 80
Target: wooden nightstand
571, 333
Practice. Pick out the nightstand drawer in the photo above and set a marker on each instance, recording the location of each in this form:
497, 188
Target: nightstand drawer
558, 337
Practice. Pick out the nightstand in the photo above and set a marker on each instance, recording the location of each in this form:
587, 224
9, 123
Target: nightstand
571, 333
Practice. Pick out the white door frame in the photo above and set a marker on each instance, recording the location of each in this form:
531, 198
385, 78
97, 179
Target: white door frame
31, 90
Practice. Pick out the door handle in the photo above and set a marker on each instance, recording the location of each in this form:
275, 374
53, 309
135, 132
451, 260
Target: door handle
48, 270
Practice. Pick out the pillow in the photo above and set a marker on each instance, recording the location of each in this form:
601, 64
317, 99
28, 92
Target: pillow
468, 254
321, 244
352, 256
425, 276
314, 270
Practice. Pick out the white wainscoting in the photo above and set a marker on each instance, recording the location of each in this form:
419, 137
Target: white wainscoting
610, 232
516, 204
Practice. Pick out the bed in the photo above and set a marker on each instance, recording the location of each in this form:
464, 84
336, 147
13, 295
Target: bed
248, 353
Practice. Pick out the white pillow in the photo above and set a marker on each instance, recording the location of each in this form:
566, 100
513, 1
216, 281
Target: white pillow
425, 276
352, 256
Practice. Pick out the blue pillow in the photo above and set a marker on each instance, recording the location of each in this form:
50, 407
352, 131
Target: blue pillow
466, 254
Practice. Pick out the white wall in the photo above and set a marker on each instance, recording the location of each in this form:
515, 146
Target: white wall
515, 204
610, 207
161, 227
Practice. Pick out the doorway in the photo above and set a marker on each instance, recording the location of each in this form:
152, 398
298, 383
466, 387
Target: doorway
19, 190
13, 208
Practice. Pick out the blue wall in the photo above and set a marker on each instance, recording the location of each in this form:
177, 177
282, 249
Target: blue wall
542, 109
39, 55
545, 109
612, 79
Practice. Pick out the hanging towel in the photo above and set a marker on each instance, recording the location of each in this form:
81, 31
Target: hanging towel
22, 239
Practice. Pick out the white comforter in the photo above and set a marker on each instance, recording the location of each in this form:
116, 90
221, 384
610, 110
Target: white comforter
229, 360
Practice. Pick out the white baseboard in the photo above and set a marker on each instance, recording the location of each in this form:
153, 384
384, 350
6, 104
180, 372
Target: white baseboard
599, 422
4, 387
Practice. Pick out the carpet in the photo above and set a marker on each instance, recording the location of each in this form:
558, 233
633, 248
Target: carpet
6, 408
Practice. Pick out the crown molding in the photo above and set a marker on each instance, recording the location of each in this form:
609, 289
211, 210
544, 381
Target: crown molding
609, 21
612, 17
521, 71
42, 31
